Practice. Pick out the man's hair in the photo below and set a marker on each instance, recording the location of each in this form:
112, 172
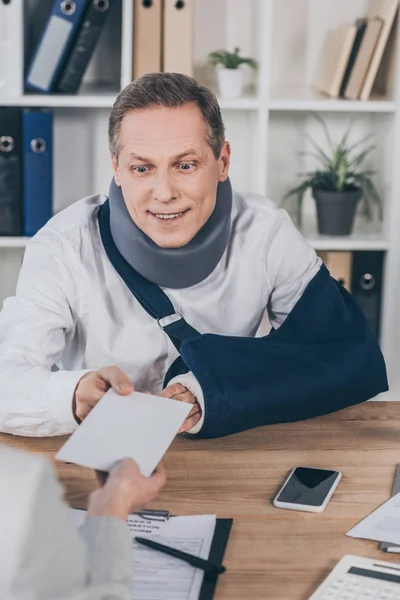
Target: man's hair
169, 90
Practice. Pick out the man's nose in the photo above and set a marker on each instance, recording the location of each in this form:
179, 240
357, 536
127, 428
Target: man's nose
163, 188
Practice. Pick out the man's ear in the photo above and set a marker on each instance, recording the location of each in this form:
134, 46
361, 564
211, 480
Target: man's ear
224, 161
115, 169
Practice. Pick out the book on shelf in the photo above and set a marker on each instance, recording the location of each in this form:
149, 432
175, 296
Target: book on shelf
361, 25
357, 56
363, 60
386, 10
336, 59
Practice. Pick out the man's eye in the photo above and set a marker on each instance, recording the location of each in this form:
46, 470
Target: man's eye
186, 166
139, 169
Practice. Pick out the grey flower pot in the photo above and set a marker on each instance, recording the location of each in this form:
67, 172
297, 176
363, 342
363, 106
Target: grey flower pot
336, 210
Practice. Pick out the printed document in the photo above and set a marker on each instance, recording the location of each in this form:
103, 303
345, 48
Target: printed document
383, 525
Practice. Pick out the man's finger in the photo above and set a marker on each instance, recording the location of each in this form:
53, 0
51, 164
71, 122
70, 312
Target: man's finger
186, 397
173, 390
196, 408
189, 423
117, 379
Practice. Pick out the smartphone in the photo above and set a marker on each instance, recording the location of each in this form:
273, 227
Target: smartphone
307, 489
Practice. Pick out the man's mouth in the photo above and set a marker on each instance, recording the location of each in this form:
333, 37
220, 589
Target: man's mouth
168, 216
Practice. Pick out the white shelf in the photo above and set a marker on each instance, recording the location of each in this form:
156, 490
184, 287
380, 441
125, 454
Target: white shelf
88, 97
308, 99
245, 103
106, 98
348, 243
366, 236
13, 242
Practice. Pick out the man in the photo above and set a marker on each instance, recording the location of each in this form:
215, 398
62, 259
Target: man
221, 258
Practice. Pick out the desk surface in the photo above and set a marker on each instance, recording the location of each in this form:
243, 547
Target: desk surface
273, 554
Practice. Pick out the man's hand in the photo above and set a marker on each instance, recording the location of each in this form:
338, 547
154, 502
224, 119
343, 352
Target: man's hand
92, 387
126, 490
178, 392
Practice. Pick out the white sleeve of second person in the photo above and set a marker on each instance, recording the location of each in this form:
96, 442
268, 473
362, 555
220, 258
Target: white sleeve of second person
34, 401
54, 560
190, 382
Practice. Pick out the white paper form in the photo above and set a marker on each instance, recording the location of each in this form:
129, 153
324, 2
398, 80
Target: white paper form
382, 525
157, 576
139, 426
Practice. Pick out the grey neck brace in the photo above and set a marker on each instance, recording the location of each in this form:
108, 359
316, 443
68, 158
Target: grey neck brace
175, 268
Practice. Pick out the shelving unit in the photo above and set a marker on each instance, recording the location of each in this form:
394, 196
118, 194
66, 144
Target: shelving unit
266, 127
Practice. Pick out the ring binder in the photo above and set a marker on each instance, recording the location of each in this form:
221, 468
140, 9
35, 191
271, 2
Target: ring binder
10, 171
54, 45
86, 39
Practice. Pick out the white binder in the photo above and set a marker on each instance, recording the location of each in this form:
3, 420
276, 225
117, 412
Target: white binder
11, 49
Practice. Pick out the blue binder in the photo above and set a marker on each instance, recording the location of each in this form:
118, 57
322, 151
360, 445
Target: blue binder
37, 168
54, 45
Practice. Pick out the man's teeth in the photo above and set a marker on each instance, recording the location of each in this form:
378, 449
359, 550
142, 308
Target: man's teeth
171, 216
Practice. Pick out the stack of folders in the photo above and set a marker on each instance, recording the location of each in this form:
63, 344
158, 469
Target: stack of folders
66, 45
355, 60
169, 24
361, 273
26, 157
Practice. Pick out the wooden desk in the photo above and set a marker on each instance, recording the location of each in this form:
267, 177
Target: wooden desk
273, 554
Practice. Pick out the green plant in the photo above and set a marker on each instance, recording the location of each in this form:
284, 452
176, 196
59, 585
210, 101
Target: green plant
230, 60
340, 171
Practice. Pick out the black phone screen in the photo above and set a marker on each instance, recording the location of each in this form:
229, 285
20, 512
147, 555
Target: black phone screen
308, 486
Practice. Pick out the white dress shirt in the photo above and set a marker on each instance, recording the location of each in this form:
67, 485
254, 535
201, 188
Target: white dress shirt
72, 310
42, 555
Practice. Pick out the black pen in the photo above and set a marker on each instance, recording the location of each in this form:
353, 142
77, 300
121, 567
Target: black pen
206, 565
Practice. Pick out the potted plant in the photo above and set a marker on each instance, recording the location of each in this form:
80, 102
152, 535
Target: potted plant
338, 184
230, 77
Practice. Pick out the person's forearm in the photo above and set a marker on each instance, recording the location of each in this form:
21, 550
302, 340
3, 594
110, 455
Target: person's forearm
35, 401
109, 551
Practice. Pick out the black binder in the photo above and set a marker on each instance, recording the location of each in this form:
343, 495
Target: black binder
10, 171
84, 44
366, 285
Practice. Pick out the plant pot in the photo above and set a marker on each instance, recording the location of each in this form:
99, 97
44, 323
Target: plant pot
230, 83
336, 210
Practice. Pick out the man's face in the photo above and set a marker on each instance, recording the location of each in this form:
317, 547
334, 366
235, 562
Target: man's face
168, 172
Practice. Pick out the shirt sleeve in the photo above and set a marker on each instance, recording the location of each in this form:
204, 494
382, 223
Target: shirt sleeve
190, 382
291, 263
57, 561
34, 324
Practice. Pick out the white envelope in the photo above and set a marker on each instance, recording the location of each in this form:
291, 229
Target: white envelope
139, 426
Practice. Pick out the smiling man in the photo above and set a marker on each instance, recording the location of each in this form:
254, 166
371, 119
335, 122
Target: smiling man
173, 245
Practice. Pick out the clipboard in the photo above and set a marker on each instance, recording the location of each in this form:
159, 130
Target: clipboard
387, 546
218, 546
221, 535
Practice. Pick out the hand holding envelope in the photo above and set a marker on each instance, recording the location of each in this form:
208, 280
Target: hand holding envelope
139, 426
